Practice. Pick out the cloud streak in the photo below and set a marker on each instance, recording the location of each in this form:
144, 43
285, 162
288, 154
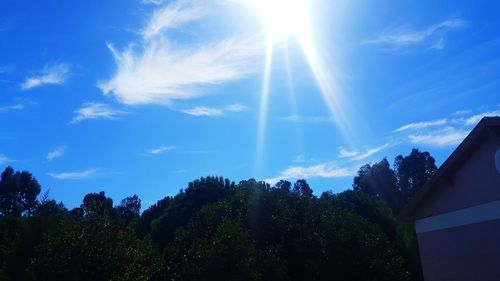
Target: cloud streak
321, 170
56, 153
212, 111
357, 155
92, 111
443, 132
160, 150
396, 37
443, 137
17, 106
155, 70
4, 159
79, 175
51, 74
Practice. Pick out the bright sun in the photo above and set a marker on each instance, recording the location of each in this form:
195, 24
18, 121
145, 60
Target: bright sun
283, 18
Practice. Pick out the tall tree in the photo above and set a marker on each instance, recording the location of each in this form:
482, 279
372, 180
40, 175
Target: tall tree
379, 181
129, 208
413, 171
18, 193
97, 204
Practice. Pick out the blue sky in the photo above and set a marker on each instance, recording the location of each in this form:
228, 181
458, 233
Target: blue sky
141, 97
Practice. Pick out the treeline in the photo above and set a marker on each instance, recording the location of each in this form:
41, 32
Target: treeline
216, 229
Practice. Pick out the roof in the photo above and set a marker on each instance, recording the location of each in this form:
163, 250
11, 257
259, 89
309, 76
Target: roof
487, 127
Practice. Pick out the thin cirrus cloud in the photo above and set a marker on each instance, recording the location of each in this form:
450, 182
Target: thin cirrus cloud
444, 132
17, 106
357, 155
447, 136
92, 110
160, 150
212, 111
421, 125
56, 153
78, 175
51, 74
4, 159
203, 111
396, 37
155, 70
321, 170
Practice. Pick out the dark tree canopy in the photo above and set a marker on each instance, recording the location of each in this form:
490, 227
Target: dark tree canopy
213, 230
97, 204
18, 193
413, 171
397, 186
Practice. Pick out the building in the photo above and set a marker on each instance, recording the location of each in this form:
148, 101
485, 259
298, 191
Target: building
457, 213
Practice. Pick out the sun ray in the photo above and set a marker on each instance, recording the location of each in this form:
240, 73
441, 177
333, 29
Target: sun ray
264, 99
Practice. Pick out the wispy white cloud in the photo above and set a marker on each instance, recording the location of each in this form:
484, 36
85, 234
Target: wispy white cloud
160, 150
173, 16
51, 74
357, 155
213, 111
421, 125
154, 2
439, 45
474, 119
204, 111
443, 132
90, 173
5, 69
92, 110
236, 107
322, 170
402, 36
56, 153
155, 70
17, 106
4, 159
308, 119
447, 136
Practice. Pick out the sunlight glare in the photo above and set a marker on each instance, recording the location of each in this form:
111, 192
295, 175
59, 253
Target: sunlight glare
283, 18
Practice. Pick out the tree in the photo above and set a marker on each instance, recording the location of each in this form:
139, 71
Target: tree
97, 204
18, 193
379, 181
302, 187
284, 185
129, 208
413, 171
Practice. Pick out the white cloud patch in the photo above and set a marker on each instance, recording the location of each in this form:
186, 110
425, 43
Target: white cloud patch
447, 136
17, 106
474, 119
236, 107
204, 111
396, 37
4, 159
94, 110
51, 74
154, 2
56, 153
322, 170
421, 125
75, 175
443, 132
160, 150
155, 70
357, 155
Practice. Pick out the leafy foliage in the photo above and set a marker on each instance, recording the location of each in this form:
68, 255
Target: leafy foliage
216, 230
